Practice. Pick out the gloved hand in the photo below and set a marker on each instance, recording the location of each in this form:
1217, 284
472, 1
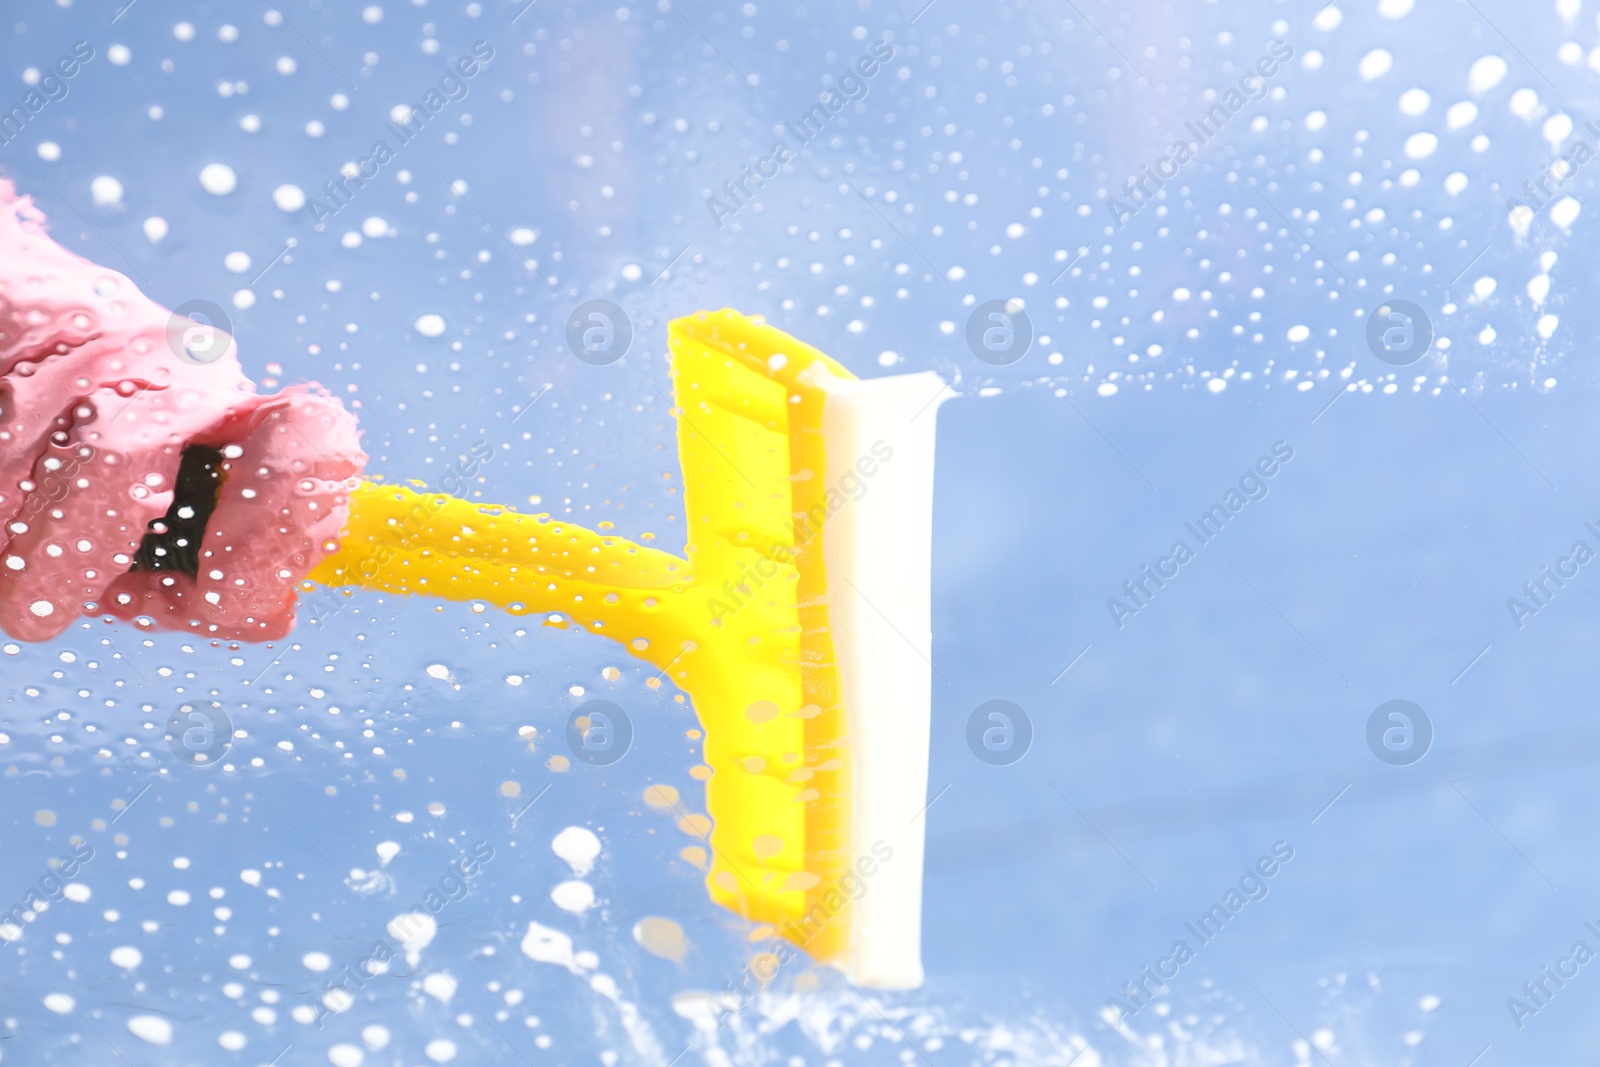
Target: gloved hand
141, 475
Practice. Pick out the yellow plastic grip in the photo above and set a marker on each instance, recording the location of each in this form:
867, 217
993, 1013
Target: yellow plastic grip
740, 624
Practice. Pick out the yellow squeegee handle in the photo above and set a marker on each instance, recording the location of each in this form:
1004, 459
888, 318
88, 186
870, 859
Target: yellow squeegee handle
740, 625
402, 540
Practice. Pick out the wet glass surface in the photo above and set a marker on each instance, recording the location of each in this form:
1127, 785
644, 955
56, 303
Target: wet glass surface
1302, 290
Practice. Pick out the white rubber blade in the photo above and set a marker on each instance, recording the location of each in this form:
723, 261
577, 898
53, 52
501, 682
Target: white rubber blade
878, 550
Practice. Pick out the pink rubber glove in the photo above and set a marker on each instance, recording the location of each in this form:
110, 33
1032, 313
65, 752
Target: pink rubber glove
103, 394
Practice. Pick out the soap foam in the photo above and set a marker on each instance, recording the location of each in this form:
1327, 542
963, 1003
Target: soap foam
579, 847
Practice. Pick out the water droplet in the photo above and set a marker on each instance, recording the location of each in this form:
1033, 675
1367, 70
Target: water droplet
218, 179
